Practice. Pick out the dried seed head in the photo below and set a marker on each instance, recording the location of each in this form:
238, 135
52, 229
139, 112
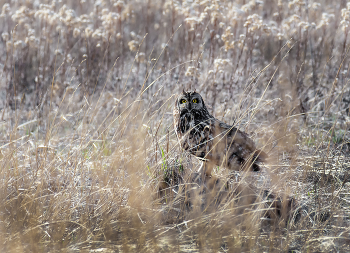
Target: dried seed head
76, 32
133, 45
140, 57
88, 32
5, 36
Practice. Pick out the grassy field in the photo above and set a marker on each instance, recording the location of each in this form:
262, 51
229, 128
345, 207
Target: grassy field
89, 158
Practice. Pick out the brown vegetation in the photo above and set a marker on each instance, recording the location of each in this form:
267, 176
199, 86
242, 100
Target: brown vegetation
86, 135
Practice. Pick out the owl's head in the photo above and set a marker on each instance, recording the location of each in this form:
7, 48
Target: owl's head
190, 101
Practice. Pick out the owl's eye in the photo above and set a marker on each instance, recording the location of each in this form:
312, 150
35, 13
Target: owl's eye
195, 100
182, 101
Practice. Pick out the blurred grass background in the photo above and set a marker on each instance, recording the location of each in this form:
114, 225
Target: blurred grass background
86, 135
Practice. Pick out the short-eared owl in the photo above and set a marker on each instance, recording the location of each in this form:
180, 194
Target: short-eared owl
206, 137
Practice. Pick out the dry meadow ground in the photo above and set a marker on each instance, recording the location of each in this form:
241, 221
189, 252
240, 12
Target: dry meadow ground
86, 137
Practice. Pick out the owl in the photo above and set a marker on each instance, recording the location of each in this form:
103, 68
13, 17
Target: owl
213, 141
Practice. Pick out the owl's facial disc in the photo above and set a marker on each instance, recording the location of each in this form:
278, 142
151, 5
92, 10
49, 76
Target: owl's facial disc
190, 103
196, 102
183, 102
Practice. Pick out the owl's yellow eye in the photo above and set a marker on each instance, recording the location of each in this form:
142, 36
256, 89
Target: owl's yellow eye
195, 100
182, 101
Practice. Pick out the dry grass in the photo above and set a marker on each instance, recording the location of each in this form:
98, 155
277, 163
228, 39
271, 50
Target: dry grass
86, 135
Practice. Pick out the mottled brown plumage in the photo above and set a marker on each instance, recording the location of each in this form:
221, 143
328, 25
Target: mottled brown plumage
206, 137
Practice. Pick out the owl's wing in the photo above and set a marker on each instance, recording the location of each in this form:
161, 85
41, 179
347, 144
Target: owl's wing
240, 143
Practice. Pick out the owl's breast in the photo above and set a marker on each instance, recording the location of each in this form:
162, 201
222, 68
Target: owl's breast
186, 123
197, 140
